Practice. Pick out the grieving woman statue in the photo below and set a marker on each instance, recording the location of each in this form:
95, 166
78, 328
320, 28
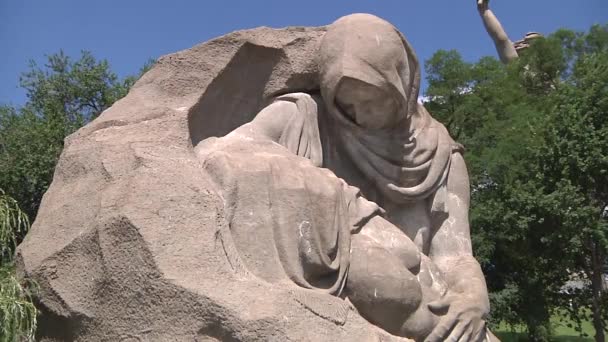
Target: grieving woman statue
357, 192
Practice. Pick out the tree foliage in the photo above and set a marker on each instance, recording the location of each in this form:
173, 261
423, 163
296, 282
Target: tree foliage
17, 313
536, 139
63, 95
12, 222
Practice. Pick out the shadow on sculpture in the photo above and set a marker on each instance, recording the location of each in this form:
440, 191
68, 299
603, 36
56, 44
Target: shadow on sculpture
230, 98
242, 87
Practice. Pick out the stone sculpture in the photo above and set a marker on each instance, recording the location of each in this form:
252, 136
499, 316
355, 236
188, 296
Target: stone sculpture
266, 185
506, 49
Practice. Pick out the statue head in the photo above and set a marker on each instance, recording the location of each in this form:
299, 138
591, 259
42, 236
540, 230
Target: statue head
366, 104
369, 74
524, 43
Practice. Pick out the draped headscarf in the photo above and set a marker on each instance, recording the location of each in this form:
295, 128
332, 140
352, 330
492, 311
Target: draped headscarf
410, 160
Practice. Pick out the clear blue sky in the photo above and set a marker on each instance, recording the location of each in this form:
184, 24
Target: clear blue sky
129, 32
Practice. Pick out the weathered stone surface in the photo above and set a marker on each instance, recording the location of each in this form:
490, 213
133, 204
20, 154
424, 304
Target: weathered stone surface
126, 245
355, 191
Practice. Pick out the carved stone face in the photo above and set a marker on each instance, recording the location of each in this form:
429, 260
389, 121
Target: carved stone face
368, 73
367, 105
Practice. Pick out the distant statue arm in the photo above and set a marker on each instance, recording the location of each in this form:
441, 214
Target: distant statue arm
504, 46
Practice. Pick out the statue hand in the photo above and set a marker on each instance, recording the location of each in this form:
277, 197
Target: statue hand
463, 319
483, 5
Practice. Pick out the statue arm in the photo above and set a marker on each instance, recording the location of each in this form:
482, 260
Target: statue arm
451, 244
504, 46
467, 303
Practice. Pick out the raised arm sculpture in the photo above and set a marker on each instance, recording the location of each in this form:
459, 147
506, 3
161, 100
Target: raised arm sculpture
506, 49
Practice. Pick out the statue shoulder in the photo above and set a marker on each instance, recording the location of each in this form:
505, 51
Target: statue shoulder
300, 133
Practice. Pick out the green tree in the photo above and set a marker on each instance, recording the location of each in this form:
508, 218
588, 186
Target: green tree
562, 194
17, 313
62, 96
571, 174
486, 108
535, 135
